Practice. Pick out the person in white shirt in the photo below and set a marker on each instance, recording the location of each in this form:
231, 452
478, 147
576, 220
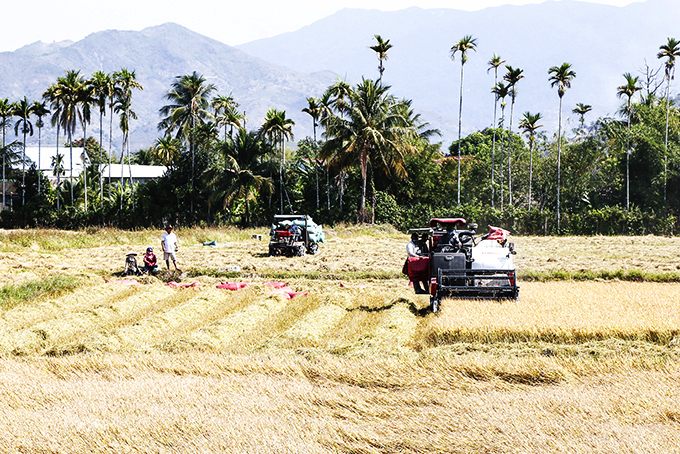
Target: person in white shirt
412, 249
170, 247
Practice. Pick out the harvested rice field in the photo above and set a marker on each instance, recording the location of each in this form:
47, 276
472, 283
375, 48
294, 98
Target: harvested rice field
344, 358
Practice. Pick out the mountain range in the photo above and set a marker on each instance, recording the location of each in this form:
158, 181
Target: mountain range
601, 43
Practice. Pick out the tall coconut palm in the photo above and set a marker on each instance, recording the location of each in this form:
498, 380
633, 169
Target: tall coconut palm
628, 90
372, 131
670, 51
226, 113
23, 110
86, 99
65, 103
189, 98
277, 128
501, 91
465, 45
561, 77
6, 109
101, 86
529, 125
581, 110
313, 109
127, 81
494, 63
51, 96
513, 76
39, 110
381, 50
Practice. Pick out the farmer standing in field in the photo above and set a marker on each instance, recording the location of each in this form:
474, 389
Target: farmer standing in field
170, 247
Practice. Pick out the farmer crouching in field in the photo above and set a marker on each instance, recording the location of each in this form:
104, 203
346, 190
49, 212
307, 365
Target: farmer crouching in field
131, 267
413, 252
170, 247
150, 261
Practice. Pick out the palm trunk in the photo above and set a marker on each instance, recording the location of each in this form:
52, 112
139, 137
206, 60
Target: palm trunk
85, 163
39, 140
58, 170
559, 163
531, 169
70, 147
101, 158
493, 151
512, 109
460, 124
23, 169
665, 149
628, 161
110, 145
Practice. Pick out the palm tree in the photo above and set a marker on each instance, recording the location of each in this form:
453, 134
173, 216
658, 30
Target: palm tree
23, 109
127, 81
513, 76
669, 51
6, 109
494, 63
58, 166
529, 125
240, 179
189, 98
39, 110
313, 109
114, 92
381, 50
560, 76
101, 86
628, 90
166, 150
466, 44
226, 113
10, 156
277, 128
65, 103
371, 131
86, 98
52, 96
581, 110
500, 90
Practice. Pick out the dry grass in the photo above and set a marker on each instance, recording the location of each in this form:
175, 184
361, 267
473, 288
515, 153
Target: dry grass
573, 367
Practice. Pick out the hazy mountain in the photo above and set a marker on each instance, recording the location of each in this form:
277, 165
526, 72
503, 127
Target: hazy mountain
158, 55
601, 42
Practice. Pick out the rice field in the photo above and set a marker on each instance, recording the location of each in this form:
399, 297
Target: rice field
353, 363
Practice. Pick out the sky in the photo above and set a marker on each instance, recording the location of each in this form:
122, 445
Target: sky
228, 21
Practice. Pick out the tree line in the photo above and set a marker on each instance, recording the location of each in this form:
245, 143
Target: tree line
371, 158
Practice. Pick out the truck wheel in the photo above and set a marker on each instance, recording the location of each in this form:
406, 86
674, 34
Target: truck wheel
434, 304
272, 250
300, 251
313, 248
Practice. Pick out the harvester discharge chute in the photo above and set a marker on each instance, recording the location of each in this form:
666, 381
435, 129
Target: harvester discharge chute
461, 264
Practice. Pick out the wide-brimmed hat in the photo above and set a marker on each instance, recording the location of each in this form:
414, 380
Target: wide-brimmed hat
286, 222
130, 253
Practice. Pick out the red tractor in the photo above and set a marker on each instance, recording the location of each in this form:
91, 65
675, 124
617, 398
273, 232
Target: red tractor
455, 262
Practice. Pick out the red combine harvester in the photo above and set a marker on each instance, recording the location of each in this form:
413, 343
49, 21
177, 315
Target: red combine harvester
458, 263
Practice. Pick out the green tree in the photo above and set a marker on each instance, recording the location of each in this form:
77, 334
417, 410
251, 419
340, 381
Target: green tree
102, 87
40, 110
314, 109
189, 103
127, 81
372, 130
512, 77
226, 113
561, 77
11, 155
670, 51
381, 49
23, 110
494, 63
628, 90
581, 110
277, 128
529, 125
501, 91
6, 109
465, 45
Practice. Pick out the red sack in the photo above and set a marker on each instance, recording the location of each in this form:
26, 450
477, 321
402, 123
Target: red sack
418, 268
